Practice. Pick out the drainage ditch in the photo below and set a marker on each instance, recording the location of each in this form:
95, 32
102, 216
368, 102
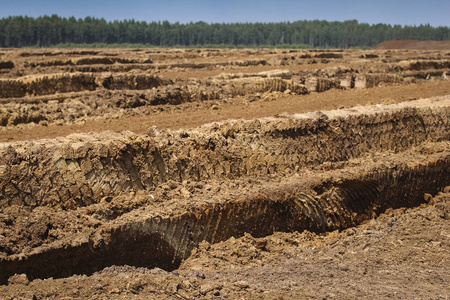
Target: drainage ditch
163, 242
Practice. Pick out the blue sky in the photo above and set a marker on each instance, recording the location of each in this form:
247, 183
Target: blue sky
403, 12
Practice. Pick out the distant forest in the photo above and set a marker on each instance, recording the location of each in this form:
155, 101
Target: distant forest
20, 31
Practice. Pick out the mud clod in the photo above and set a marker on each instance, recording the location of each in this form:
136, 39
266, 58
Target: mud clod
18, 279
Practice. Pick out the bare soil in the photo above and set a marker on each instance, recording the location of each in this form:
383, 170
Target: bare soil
401, 254
204, 86
224, 174
194, 115
413, 45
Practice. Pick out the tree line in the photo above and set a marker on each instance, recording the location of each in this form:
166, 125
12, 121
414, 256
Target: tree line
45, 31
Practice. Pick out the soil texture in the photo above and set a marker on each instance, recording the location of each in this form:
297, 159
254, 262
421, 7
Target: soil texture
225, 173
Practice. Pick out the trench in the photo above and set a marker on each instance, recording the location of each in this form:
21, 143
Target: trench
165, 242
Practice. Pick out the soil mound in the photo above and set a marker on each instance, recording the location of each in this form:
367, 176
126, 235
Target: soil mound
82, 169
413, 45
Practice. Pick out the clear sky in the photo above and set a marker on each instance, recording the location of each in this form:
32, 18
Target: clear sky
403, 12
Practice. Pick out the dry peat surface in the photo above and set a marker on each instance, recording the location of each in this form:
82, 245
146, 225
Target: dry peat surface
224, 174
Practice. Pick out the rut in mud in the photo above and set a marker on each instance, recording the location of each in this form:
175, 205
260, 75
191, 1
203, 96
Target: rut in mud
335, 170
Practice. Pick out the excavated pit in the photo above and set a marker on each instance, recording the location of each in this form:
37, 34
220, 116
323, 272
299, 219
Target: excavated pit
318, 172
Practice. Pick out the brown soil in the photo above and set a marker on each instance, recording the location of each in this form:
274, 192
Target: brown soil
401, 254
194, 115
232, 174
413, 45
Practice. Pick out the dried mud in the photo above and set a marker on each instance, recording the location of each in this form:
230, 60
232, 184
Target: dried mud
297, 200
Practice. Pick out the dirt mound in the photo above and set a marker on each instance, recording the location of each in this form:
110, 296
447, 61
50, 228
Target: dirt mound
255, 85
60, 84
12, 88
413, 45
56, 53
376, 79
76, 83
6, 65
430, 65
107, 61
47, 85
78, 169
329, 55
132, 82
52, 63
